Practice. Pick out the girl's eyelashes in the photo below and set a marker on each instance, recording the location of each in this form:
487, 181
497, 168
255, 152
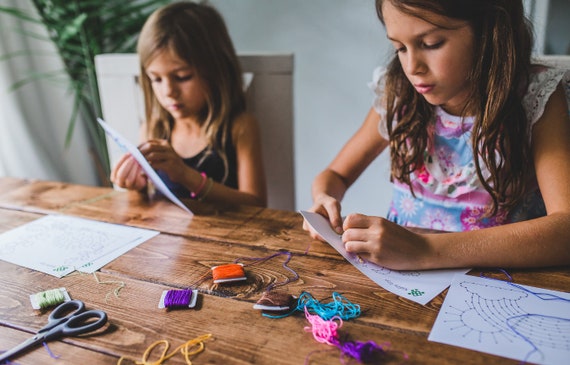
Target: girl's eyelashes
178, 78
184, 77
424, 45
435, 45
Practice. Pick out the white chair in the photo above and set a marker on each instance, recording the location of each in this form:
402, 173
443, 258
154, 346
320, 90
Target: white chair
269, 97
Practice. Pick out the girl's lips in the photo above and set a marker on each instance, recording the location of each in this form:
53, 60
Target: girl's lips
424, 88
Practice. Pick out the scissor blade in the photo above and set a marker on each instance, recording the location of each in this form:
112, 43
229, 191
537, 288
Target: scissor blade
26, 345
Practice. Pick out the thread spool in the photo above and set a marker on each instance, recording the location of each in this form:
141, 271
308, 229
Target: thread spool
178, 299
228, 273
49, 298
275, 302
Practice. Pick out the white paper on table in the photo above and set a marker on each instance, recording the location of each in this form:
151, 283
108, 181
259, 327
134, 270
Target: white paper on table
418, 286
505, 319
58, 244
128, 147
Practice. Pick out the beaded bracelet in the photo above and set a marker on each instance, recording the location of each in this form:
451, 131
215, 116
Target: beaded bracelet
207, 190
193, 194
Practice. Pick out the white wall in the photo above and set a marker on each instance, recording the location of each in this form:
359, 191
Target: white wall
337, 44
34, 118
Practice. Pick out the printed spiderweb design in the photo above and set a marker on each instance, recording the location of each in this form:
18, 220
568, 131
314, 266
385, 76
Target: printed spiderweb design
504, 318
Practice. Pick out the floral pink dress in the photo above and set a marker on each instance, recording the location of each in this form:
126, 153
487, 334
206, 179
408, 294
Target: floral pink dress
448, 193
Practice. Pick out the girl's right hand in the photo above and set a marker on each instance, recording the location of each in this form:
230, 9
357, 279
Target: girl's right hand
128, 174
330, 208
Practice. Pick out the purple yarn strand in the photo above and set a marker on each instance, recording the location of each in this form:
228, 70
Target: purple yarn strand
365, 352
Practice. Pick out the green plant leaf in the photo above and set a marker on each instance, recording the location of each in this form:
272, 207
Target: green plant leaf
80, 30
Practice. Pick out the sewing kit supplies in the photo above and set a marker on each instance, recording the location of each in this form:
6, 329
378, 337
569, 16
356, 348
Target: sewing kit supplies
275, 302
325, 331
234, 272
188, 349
339, 307
228, 273
185, 298
49, 298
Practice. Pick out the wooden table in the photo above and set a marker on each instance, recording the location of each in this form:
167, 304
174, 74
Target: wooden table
180, 255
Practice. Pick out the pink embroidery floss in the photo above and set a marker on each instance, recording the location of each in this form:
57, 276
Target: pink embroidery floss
325, 331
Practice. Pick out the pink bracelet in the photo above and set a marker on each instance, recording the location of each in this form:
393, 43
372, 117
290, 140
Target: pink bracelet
193, 194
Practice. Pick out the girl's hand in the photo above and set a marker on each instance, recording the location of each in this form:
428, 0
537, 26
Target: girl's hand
385, 243
161, 156
328, 207
128, 174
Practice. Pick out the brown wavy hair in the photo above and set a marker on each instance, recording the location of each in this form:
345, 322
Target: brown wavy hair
197, 34
500, 139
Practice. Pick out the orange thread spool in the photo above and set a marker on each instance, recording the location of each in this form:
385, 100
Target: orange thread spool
227, 273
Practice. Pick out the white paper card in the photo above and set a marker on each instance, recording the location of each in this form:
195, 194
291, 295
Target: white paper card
128, 147
504, 319
58, 244
418, 286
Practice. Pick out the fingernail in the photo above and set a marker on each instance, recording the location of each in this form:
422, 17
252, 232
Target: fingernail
338, 230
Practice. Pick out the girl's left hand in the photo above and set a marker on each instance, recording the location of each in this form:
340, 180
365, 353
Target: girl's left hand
385, 243
161, 156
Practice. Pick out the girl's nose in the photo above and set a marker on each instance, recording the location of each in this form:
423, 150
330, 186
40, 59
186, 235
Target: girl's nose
169, 88
414, 63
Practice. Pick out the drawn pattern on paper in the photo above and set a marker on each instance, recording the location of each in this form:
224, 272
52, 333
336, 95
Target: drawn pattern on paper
58, 245
511, 315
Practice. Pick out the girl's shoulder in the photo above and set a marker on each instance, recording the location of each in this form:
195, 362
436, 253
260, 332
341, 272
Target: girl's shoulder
245, 124
543, 81
377, 86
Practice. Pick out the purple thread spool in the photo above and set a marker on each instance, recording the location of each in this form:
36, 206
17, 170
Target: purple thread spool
177, 298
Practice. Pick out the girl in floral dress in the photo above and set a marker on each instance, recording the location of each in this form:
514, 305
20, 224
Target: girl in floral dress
479, 139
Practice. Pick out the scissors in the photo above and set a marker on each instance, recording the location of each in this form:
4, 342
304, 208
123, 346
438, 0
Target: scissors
68, 319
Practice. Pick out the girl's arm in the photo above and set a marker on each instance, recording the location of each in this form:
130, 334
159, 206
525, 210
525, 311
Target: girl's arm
330, 185
538, 242
252, 189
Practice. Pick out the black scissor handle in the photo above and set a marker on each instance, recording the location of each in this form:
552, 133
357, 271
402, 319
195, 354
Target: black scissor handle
81, 323
63, 313
66, 310
77, 324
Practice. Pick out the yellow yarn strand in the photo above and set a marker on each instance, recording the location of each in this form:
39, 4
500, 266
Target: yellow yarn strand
188, 349
116, 291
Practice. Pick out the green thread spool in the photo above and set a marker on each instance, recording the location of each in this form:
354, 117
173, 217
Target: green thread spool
49, 298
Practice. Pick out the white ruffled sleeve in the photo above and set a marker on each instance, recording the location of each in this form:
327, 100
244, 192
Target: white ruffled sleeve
377, 85
541, 86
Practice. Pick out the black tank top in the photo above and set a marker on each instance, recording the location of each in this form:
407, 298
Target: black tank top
212, 164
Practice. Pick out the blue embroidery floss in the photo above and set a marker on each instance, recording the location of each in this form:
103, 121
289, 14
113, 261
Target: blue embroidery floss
339, 307
178, 299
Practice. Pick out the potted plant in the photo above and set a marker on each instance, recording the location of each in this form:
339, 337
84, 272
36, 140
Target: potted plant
81, 29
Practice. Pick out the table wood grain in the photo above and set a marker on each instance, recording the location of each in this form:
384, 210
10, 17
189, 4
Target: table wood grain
181, 257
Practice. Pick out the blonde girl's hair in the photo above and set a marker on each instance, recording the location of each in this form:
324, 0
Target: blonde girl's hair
503, 45
197, 34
